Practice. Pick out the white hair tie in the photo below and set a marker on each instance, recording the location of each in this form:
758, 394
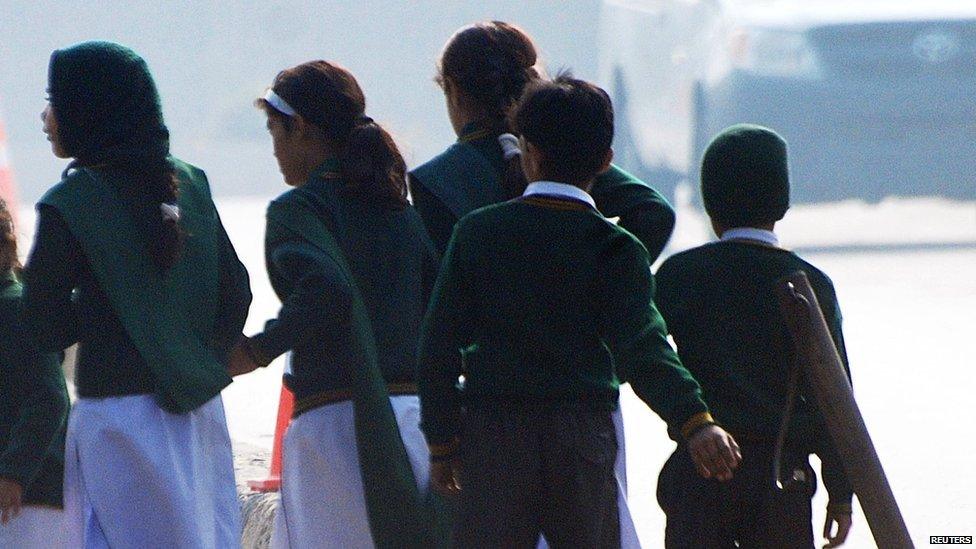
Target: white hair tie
171, 212
510, 145
278, 103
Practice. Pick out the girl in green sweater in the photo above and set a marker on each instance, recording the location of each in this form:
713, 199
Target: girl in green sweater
131, 262
33, 414
350, 260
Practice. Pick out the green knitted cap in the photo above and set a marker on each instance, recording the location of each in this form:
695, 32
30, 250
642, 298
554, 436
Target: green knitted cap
744, 176
106, 104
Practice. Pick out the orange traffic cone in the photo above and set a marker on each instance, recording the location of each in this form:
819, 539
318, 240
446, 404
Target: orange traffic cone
273, 483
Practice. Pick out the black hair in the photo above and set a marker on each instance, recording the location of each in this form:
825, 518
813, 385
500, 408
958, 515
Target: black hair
570, 122
492, 62
328, 97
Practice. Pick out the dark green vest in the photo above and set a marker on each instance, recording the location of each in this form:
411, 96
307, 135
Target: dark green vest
168, 316
462, 178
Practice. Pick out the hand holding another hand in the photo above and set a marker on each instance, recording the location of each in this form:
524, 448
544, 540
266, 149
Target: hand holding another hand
239, 361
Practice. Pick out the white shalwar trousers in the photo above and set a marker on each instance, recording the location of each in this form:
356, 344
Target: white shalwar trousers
137, 476
323, 504
37, 527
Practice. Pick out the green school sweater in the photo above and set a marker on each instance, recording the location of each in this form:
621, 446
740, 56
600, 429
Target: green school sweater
720, 307
345, 341
468, 176
33, 407
394, 266
552, 304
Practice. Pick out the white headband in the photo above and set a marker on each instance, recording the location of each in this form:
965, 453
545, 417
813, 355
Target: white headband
510, 145
278, 103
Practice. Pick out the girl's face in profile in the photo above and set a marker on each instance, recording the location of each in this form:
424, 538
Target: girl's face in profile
286, 151
50, 128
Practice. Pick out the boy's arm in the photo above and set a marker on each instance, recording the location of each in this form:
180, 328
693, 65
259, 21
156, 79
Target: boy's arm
636, 335
438, 220
234, 297
446, 329
50, 277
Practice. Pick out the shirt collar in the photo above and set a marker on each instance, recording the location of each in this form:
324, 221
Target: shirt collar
561, 190
8, 278
751, 233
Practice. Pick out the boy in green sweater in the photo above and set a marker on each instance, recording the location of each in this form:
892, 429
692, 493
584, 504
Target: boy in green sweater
720, 307
541, 306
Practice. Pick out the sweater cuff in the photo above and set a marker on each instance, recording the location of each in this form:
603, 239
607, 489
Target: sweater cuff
696, 422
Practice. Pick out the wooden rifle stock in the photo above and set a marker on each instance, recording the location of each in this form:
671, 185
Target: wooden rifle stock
832, 391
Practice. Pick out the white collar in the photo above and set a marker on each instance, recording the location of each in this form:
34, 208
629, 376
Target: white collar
551, 188
752, 233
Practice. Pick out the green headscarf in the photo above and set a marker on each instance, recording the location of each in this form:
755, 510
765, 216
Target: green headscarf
107, 106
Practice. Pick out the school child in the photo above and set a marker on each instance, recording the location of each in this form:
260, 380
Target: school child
33, 414
131, 261
720, 307
483, 70
353, 266
550, 300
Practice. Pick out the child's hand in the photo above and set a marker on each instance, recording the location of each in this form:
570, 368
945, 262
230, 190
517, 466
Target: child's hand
843, 521
714, 452
239, 362
444, 477
10, 500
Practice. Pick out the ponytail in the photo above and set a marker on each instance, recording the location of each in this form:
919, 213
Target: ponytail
150, 191
372, 166
328, 96
514, 181
492, 62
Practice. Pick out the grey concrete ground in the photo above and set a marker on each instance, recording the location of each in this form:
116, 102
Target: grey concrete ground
250, 463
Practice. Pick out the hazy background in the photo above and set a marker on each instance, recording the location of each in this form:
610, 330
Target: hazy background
904, 268
211, 59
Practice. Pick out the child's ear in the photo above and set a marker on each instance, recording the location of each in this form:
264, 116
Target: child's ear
606, 161
530, 160
451, 91
300, 127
